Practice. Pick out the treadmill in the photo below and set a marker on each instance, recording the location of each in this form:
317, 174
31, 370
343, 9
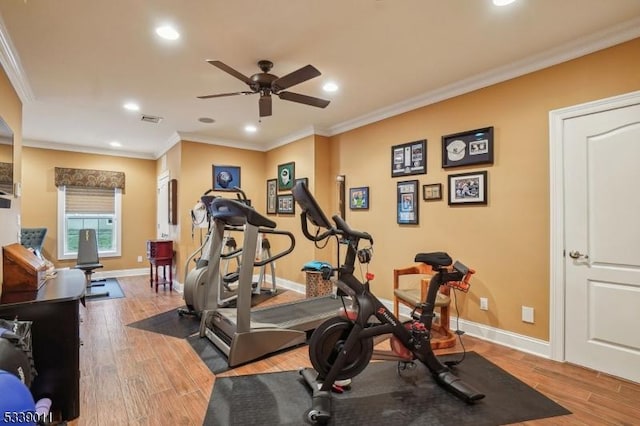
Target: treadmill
241, 333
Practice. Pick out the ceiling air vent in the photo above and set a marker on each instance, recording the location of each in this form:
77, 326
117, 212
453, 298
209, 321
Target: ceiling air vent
151, 119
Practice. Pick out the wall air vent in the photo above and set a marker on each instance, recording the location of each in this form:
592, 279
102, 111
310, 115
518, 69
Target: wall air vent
151, 119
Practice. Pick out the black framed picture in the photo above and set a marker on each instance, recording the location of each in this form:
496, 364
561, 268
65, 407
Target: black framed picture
467, 148
407, 202
409, 159
359, 198
286, 176
468, 188
286, 204
432, 191
226, 178
272, 196
304, 179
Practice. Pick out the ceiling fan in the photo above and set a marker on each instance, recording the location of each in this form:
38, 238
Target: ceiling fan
267, 84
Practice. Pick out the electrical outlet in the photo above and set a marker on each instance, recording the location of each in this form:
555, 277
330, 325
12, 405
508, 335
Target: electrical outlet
139, 258
527, 314
484, 304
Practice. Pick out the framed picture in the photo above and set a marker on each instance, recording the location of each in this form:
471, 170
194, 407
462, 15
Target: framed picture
409, 159
468, 188
304, 179
272, 196
286, 176
359, 198
286, 204
226, 178
432, 192
466, 148
407, 202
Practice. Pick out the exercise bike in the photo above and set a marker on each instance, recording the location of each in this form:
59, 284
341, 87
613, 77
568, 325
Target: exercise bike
342, 346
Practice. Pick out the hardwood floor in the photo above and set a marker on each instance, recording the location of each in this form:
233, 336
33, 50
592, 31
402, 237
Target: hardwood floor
135, 377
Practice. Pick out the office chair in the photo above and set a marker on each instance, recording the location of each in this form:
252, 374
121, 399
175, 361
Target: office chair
88, 261
414, 293
33, 238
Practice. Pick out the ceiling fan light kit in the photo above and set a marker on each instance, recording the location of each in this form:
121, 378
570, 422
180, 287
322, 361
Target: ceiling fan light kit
267, 84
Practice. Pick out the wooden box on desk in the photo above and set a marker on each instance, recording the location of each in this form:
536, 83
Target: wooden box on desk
21, 269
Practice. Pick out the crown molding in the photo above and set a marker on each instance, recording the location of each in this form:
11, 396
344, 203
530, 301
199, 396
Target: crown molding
85, 149
295, 136
601, 40
195, 137
11, 64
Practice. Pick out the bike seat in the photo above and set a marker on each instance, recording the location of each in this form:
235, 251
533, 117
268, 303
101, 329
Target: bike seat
435, 259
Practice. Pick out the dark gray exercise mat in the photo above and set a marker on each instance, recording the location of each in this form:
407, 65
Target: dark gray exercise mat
170, 324
380, 396
215, 360
111, 285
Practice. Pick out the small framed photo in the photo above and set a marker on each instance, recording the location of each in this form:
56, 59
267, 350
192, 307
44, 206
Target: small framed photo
286, 204
304, 179
226, 178
432, 191
359, 198
468, 188
272, 196
407, 202
467, 148
409, 159
286, 176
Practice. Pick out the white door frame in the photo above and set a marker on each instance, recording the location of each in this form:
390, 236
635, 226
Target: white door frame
556, 191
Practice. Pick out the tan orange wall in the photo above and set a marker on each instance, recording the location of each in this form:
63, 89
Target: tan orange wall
11, 112
508, 240
196, 177
40, 201
302, 152
6, 153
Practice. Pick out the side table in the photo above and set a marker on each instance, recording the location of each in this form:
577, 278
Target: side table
160, 253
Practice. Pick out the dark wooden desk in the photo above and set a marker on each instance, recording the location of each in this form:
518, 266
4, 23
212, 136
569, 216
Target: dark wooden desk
160, 253
55, 333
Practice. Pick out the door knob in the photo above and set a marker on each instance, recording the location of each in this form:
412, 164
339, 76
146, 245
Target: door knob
577, 255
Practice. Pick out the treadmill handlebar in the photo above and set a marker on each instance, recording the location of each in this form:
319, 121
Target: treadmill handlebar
283, 253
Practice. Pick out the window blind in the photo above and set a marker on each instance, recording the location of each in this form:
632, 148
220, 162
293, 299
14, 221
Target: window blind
89, 200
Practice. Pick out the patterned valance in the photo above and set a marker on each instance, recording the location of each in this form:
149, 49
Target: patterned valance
6, 173
89, 178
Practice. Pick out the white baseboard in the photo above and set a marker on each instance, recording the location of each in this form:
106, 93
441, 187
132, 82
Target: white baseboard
485, 332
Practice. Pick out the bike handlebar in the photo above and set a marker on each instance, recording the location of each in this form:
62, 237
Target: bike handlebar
346, 230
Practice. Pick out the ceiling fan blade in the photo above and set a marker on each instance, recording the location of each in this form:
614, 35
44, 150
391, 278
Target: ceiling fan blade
303, 74
303, 99
225, 94
226, 68
265, 105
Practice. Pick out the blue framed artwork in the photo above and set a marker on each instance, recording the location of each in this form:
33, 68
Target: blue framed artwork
359, 198
407, 203
226, 178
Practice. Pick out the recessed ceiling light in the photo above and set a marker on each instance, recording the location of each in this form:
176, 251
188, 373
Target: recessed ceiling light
115, 144
206, 120
167, 32
502, 2
131, 106
250, 128
330, 87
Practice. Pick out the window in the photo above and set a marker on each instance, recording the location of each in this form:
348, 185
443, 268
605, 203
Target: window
96, 208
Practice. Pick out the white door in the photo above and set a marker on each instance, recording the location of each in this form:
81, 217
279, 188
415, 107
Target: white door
602, 240
162, 212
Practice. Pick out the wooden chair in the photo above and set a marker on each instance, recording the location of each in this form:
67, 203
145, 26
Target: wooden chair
413, 293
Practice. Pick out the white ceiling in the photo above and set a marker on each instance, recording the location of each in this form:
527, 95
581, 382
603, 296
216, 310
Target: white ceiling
74, 63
